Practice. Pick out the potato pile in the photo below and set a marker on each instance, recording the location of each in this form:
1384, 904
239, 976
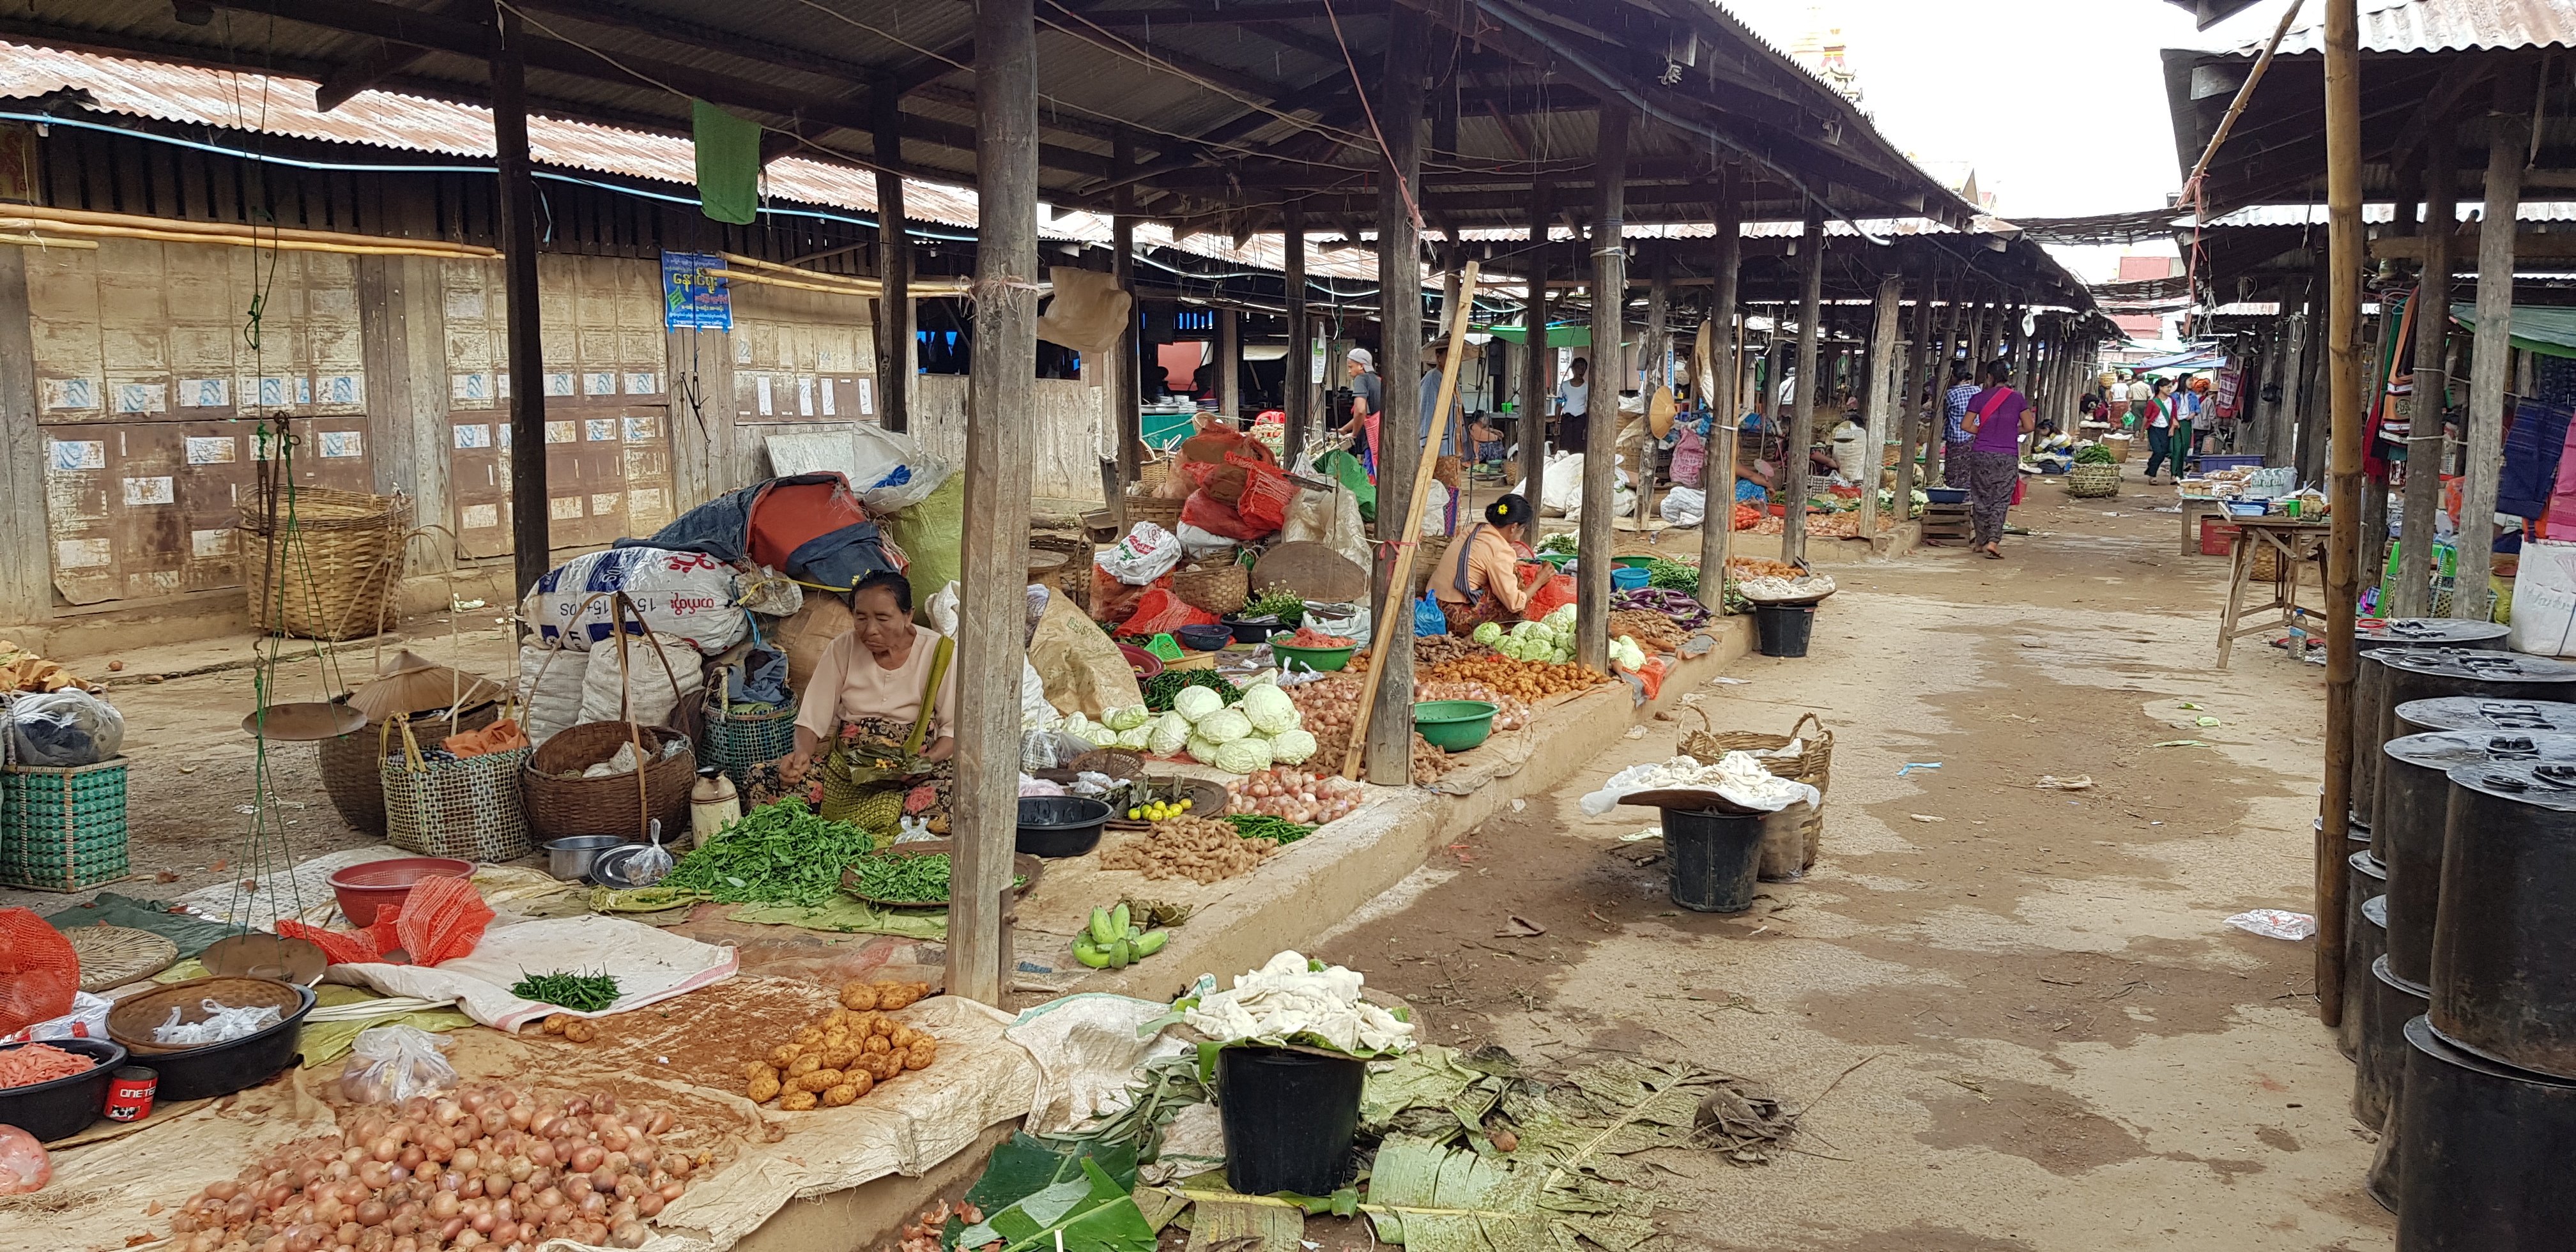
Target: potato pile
843, 1057
1531, 681
1198, 848
575, 1029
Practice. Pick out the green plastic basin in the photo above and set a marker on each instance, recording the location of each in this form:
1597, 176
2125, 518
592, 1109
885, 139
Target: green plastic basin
1454, 725
1319, 659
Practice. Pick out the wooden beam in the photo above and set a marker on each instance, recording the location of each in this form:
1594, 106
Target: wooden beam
385, 61
1389, 744
2343, 574
1236, 14
1001, 393
1299, 382
1601, 447
2527, 245
1717, 478
1922, 365
2491, 354
2426, 440
1129, 379
531, 514
1538, 365
1802, 408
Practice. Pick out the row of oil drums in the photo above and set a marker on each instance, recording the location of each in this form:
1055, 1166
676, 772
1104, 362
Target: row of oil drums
2460, 937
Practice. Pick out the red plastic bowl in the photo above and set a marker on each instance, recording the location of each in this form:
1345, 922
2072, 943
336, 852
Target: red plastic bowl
363, 889
1146, 664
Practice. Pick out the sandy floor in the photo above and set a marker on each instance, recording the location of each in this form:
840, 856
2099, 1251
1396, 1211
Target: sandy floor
2044, 1036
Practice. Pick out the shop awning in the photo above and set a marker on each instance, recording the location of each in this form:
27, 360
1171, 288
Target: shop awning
2536, 328
1567, 335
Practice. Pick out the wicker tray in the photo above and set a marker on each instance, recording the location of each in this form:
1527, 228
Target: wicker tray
1024, 868
132, 1021
112, 956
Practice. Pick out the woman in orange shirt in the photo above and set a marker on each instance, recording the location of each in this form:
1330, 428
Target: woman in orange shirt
1480, 578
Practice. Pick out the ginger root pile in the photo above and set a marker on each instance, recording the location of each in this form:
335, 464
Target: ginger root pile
846, 1055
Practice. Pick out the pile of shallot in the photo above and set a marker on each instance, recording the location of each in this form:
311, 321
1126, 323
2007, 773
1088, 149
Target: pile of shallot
1301, 796
488, 1166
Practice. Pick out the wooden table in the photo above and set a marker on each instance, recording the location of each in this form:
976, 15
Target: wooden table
2294, 545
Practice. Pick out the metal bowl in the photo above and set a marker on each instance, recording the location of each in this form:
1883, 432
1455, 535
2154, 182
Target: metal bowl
569, 859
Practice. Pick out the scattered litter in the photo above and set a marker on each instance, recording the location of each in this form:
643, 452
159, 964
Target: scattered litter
1911, 766
1519, 928
2208, 721
1926, 817
1732, 682
1519, 805
1640, 836
2275, 923
2051, 782
2189, 705
1636, 732
2179, 743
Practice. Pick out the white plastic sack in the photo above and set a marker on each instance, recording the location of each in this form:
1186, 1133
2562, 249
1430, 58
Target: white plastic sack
893, 473
1198, 543
550, 685
2544, 600
1146, 553
1435, 509
64, 729
1087, 1051
688, 594
1560, 492
1350, 621
654, 696
1331, 518
1685, 506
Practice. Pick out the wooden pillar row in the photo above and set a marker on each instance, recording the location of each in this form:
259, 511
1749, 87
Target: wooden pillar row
1399, 276
2425, 442
2490, 361
1802, 408
1609, 302
1717, 530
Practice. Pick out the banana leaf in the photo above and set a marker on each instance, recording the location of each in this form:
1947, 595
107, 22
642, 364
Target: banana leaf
1091, 1213
1027, 1165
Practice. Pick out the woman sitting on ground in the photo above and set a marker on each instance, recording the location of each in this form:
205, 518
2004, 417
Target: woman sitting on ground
1480, 578
875, 726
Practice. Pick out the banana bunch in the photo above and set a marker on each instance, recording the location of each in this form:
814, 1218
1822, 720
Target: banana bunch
1113, 941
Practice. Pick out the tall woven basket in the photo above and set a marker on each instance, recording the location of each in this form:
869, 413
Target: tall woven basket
2093, 482
734, 742
1791, 837
470, 808
353, 766
324, 563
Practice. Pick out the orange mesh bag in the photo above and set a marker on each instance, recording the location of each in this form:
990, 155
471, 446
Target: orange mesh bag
1161, 613
38, 971
342, 947
442, 918
1556, 593
1267, 495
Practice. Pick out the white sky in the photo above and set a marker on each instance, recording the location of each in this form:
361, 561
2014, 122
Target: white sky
2059, 104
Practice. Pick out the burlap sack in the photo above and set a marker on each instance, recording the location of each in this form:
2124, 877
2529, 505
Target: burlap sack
1084, 672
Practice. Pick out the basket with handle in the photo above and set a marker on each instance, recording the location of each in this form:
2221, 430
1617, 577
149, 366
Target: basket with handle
469, 808
332, 570
2093, 481
617, 804
735, 742
1215, 588
1790, 837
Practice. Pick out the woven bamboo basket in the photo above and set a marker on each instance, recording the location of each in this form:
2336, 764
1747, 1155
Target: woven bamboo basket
1428, 552
735, 742
559, 806
332, 572
112, 956
471, 808
1216, 588
1161, 512
1153, 474
2093, 481
1791, 838
353, 768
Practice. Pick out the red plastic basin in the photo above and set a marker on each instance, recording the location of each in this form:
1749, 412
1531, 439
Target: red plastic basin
363, 889
1145, 663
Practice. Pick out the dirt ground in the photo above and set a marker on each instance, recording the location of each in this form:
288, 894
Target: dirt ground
2012, 1016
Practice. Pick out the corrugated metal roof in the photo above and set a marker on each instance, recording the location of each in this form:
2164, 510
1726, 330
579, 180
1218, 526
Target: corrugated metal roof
2444, 26
2315, 214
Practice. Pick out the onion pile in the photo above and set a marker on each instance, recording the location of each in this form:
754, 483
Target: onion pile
488, 1166
1301, 796
1327, 705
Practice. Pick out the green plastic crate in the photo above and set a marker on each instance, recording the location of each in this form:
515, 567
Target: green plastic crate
62, 829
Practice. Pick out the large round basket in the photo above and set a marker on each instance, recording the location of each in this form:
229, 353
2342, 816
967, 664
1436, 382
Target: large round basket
135, 1017
559, 807
2093, 481
353, 772
326, 566
1215, 588
1788, 852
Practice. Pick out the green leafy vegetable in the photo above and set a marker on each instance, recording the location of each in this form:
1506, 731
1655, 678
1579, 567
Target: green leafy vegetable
582, 993
1673, 575
1026, 1165
903, 878
780, 853
1287, 606
2096, 455
1092, 1213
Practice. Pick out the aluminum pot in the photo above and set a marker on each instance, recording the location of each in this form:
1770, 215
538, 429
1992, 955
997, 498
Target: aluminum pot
569, 858
2504, 957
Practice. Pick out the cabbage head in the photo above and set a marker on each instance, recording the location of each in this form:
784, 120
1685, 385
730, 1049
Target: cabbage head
1292, 747
1488, 633
1268, 708
1625, 653
1561, 619
1167, 733
1202, 751
1223, 726
1137, 738
1247, 755
1129, 718
1196, 702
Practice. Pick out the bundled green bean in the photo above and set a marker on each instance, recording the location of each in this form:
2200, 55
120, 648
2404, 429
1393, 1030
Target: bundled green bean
582, 993
1264, 826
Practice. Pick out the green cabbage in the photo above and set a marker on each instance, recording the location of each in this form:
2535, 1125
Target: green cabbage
1625, 654
1561, 619
1223, 726
1136, 738
1292, 747
1167, 733
1194, 703
1487, 633
1202, 751
1268, 708
1129, 718
1249, 754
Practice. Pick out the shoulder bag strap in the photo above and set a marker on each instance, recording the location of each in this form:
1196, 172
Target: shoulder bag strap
939, 658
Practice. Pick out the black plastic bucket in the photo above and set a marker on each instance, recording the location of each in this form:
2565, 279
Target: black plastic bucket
1783, 628
2385, 1160
2416, 717
1716, 859
2424, 673
1289, 1118
2365, 940
2504, 955
2414, 811
2482, 1166
2380, 1064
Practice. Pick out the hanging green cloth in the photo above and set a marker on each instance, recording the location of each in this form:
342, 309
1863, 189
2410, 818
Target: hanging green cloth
728, 164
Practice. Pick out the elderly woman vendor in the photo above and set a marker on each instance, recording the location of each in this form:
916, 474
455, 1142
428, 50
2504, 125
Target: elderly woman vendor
1481, 578
876, 724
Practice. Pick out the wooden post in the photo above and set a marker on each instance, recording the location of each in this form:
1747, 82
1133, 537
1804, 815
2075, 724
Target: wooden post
1654, 370
1299, 390
1609, 299
1128, 382
1884, 386
2508, 143
530, 509
2315, 385
2280, 378
894, 262
1936, 439
1919, 365
1717, 529
1229, 363
1001, 393
1802, 410
2425, 441
1399, 281
1538, 365
2343, 581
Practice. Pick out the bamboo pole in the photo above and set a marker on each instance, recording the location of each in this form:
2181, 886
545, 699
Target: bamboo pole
15, 219
2508, 136
263, 235
1402, 576
1717, 526
2343, 575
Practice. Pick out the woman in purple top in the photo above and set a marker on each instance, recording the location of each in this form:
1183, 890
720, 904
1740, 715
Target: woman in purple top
1998, 418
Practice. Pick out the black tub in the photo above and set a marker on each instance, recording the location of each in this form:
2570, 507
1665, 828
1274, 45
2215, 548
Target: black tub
1060, 825
2370, 687
224, 1068
2482, 1163
2420, 673
2365, 940
2379, 1067
1290, 1116
65, 1106
2504, 953
2414, 808
2416, 717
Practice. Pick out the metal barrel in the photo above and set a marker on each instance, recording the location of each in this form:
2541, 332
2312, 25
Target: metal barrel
2483, 1156
2370, 691
2365, 940
2408, 674
2379, 1068
2504, 951
2416, 717
2414, 808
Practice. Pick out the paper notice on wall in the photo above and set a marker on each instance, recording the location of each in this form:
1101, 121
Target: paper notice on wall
829, 409
867, 398
805, 395
766, 404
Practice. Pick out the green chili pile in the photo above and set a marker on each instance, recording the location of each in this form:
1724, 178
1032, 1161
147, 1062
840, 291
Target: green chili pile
582, 993
1163, 687
1264, 826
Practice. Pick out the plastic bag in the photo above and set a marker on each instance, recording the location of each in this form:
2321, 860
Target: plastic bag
2275, 923
61, 729
1350, 621
890, 471
24, 1167
932, 535
1199, 543
222, 1024
1428, 620
1685, 506
86, 1020
391, 1064
1146, 553
39, 971
1161, 613
1555, 593
689, 594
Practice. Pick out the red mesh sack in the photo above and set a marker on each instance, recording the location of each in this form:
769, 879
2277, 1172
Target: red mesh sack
1652, 676
1217, 518
341, 947
1267, 496
442, 918
38, 971
1555, 593
381, 932
1161, 612
1114, 601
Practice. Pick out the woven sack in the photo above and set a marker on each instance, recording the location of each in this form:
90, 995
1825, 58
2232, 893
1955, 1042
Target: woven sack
1791, 837
471, 809
324, 563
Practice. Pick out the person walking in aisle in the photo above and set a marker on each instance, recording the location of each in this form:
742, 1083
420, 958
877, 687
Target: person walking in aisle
1998, 417
1368, 400
1955, 432
1574, 408
2156, 413
2141, 390
2189, 399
